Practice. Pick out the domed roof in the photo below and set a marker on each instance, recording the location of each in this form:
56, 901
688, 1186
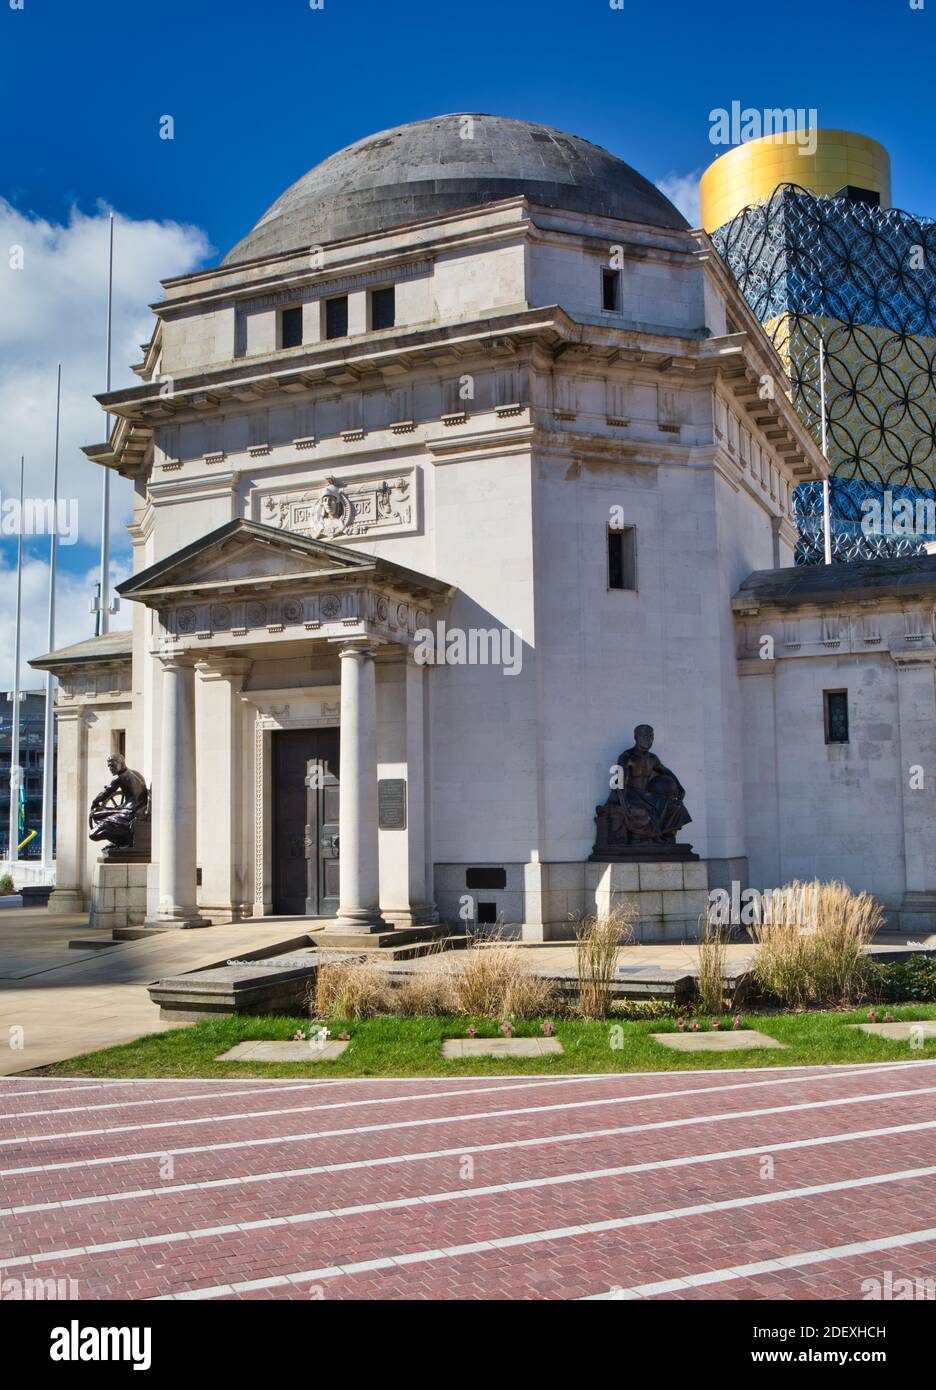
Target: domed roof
428, 168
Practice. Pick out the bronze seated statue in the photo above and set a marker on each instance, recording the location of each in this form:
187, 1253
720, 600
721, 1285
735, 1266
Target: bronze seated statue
645, 810
120, 813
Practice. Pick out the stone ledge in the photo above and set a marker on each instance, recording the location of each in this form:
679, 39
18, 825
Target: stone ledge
261, 987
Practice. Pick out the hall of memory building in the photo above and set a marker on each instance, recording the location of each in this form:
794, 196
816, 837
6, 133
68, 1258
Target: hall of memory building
478, 378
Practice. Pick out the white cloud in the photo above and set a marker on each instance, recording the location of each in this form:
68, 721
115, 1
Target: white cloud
54, 309
73, 622
683, 190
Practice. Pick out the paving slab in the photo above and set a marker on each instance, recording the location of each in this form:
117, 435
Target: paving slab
500, 1047
283, 1052
900, 1032
63, 1002
729, 1040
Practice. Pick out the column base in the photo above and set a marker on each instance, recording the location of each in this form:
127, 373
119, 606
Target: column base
363, 921
66, 900
419, 915
176, 922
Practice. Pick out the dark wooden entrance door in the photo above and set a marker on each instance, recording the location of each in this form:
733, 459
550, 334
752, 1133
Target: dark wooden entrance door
305, 822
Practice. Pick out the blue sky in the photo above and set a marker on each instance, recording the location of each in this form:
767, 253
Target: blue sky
259, 92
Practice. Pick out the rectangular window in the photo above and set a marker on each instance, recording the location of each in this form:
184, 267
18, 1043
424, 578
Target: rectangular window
383, 308
291, 327
836, 716
611, 290
336, 317
119, 741
622, 557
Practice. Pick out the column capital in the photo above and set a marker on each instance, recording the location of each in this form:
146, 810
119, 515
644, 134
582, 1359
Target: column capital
356, 646
174, 657
222, 667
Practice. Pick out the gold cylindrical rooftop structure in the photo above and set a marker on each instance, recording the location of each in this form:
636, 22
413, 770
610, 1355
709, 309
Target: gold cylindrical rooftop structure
750, 172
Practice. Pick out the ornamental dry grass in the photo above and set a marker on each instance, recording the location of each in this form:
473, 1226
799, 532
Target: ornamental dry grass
489, 979
710, 983
598, 942
493, 979
424, 994
350, 989
812, 941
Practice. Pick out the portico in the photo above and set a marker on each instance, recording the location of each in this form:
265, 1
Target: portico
257, 633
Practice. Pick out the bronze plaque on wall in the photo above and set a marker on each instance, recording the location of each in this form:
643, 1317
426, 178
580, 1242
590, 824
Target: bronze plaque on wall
391, 803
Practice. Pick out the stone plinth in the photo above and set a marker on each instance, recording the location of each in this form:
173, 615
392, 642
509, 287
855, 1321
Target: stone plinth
671, 898
118, 895
273, 985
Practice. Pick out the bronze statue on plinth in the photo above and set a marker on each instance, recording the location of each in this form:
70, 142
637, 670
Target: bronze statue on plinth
120, 815
644, 812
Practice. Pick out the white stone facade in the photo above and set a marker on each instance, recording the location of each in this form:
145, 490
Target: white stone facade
303, 513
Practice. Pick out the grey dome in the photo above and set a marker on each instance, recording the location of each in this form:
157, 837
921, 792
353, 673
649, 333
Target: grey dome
426, 168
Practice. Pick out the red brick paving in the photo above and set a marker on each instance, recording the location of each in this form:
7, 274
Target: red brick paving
328, 1125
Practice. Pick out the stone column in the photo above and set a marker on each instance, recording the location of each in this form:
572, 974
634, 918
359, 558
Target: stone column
221, 839
174, 841
359, 874
422, 907
71, 811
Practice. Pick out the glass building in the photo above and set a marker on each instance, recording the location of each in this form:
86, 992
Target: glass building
31, 760
843, 269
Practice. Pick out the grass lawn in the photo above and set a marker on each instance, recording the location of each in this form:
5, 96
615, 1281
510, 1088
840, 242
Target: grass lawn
413, 1047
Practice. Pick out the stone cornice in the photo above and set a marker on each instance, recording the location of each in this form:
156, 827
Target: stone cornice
541, 337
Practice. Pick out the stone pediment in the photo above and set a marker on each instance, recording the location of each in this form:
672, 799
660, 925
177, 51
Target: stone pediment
244, 556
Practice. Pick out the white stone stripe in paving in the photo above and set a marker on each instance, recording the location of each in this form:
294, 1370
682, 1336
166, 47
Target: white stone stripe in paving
427, 1155
434, 1198
756, 1267
618, 1223
439, 1095
56, 1090
548, 1082
159, 1100
86, 1082
707, 1118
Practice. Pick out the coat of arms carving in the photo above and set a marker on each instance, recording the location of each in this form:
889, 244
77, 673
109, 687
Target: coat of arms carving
339, 509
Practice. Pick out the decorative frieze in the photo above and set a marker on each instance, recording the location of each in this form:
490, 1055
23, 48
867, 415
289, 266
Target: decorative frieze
328, 613
336, 508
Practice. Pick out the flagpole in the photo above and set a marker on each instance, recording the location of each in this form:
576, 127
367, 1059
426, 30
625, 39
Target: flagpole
16, 772
48, 756
103, 599
826, 498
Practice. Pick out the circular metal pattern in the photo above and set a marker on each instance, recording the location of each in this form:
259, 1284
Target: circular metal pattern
292, 610
185, 620
220, 616
256, 614
330, 605
863, 279
382, 609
